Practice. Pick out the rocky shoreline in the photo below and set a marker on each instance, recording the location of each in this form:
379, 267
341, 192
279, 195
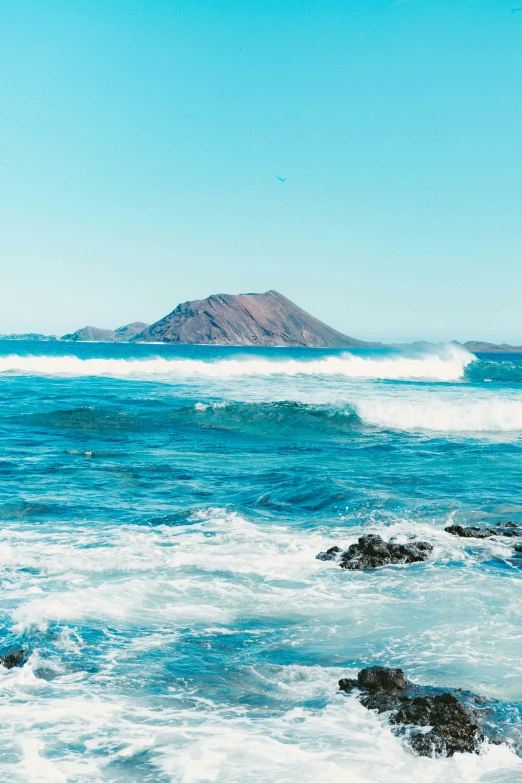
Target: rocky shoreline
435, 722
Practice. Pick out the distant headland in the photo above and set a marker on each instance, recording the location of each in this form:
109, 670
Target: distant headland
268, 319
475, 346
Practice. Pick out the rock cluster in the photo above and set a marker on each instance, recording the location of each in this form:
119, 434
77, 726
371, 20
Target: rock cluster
441, 722
508, 529
371, 552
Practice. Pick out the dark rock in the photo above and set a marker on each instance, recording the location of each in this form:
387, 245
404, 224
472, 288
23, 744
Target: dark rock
348, 685
330, 554
455, 723
469, 532
371, 552
508, 529
378, 677
455, 727
16, 658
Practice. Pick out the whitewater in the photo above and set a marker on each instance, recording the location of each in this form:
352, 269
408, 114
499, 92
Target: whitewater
161, 509
446, 366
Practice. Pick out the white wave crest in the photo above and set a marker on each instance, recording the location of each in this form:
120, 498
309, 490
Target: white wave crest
447, 365
493, 415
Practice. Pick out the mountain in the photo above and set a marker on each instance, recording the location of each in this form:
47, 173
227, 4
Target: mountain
245, 319
90, 334
93, 334
125, 333
476, 346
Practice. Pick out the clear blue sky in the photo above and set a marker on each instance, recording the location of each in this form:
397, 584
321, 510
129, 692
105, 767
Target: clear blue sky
141, 141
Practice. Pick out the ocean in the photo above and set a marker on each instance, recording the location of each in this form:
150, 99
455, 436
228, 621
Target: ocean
161, 511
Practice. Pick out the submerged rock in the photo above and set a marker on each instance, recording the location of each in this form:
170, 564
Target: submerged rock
449, 723
371, 552
45, 673
16, 658
508, 529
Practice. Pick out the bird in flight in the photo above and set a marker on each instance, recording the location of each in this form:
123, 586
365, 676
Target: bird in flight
281, 179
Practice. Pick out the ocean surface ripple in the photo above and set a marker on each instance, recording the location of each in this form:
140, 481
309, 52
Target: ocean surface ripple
161, 510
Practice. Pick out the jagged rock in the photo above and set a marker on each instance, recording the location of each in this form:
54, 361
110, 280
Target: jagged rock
371, 552
508, 529
455, 723
376, 678
330, 554
15, 658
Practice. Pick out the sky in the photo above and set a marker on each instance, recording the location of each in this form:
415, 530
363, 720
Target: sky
144, 144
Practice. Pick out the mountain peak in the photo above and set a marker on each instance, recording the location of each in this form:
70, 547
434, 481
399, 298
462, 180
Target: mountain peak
261, 319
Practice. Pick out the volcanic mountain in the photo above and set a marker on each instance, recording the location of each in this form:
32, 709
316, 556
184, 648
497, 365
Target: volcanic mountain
245, 319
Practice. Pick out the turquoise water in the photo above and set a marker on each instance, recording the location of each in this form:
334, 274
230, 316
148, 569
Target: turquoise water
161, 511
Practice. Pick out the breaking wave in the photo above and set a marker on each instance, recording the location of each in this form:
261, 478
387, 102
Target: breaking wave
446, 365
298, 420
489, 415
494, 415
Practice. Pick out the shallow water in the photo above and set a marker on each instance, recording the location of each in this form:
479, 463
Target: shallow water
161, 511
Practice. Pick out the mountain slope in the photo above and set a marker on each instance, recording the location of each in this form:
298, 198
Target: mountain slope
245, 319
93, 334
90, 334
126, 333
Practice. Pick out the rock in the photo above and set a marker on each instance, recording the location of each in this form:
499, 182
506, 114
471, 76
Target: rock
455, 724
469, 532
378, 677
371, 552
455, 727
15, 658
508, 529
330, 554
348, 685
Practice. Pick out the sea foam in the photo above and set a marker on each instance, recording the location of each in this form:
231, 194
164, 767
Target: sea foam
252, 572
